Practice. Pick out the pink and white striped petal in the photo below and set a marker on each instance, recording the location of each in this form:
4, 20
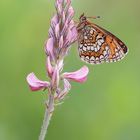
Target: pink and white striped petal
77, 76
36, 84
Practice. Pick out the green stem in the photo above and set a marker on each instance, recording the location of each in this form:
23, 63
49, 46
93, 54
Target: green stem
47, 116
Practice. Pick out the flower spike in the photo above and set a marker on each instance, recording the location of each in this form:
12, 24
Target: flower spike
62, 34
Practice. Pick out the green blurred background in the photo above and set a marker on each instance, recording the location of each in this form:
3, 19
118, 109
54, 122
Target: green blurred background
106, 107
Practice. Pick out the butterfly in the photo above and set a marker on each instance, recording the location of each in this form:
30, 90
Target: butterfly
97, 45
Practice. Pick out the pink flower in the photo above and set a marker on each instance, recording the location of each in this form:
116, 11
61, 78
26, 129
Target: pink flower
36, 84
62, 34
77, 76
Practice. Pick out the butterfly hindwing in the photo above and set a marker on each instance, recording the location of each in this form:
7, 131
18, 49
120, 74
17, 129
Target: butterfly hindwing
97, 45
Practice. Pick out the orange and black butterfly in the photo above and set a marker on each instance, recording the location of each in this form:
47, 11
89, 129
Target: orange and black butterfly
96, 45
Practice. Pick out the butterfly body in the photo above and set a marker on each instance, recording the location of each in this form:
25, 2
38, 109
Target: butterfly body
96, 45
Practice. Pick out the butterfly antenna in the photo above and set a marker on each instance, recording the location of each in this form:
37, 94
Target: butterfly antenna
94, 17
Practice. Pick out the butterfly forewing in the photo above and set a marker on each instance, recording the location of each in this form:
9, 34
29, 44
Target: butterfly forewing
96, 45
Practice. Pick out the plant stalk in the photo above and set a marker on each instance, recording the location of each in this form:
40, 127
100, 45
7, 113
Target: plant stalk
47, 116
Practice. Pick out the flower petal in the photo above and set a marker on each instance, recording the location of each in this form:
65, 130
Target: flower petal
60, 1
74, 34
69, 35
58, 6
64, 30
77, 76
36, 84
68, 2
63, 17
54, 20
61, 42
57, 29
49, 48
55, 78
65, 91
71, 11
67, 85
49, 67
60, 65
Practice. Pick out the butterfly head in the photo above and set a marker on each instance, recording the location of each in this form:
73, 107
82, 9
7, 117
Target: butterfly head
82, 18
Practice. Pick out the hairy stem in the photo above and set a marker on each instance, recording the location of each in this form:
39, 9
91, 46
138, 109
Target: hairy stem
47, 116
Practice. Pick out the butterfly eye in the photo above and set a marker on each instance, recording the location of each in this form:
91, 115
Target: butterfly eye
82, 18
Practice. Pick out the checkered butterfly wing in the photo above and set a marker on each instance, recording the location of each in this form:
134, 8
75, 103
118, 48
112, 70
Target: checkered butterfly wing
96, 45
